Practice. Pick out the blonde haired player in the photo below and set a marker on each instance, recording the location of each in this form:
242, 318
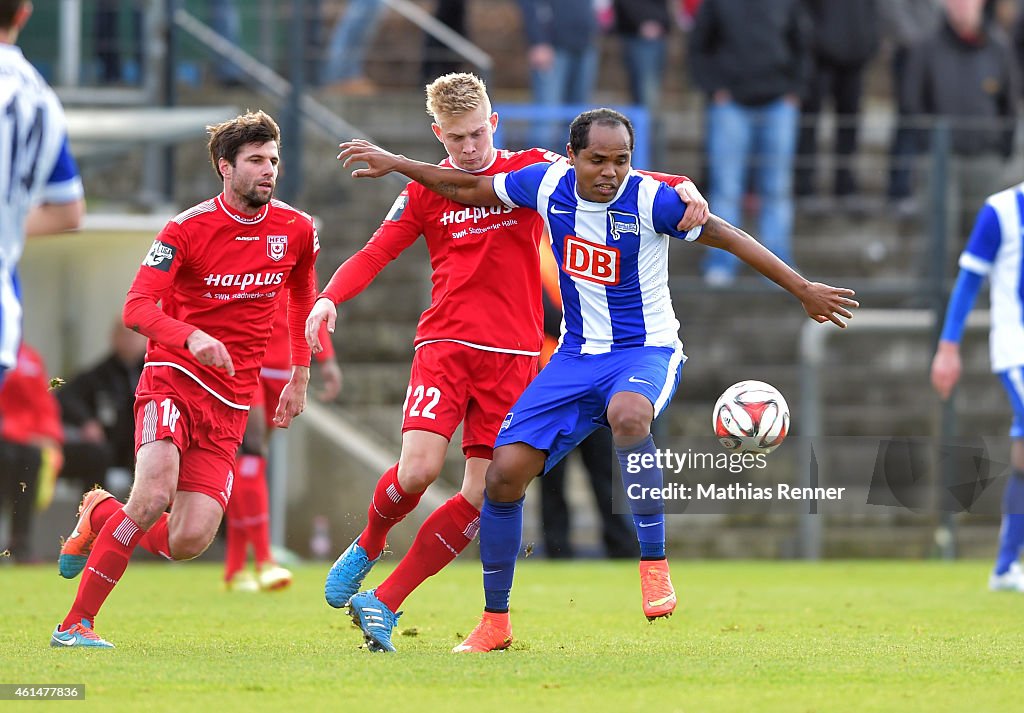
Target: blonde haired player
476, 348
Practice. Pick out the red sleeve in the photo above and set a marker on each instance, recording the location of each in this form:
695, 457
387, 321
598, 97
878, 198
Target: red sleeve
301, 295
152, 282
669, 178
398, 231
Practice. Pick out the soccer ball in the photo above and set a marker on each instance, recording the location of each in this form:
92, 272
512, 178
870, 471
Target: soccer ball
751, 417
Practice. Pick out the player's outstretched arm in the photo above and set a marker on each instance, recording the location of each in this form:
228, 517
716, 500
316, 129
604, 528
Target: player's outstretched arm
457, 185
823, 303
293, 397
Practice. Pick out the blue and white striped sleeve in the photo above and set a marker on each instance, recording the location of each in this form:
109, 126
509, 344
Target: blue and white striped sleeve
984, 242
668, 211
64, 184
520, 188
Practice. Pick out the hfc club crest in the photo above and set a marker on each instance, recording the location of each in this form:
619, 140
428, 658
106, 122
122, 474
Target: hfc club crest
277, 246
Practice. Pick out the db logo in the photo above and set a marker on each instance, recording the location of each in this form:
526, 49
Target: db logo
588, 261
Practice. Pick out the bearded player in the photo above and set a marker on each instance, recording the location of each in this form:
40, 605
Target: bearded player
206, 296
476, 346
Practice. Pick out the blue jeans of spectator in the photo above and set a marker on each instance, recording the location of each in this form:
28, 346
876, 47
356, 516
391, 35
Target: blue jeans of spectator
569, 81
763, 139
350, 40
226, 21
645, 66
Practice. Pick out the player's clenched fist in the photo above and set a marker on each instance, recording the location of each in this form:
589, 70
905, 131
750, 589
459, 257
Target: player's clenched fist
210, 351
323, 310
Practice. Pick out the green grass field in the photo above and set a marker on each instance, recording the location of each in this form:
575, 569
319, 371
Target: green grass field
748, 636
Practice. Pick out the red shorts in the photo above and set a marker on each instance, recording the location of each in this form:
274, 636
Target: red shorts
171, 405
451, 384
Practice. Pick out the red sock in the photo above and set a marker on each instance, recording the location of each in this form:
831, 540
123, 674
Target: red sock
238, 514
102, 512
257, 506
445, 534
154, 540
388, 507
107, 562
157, 539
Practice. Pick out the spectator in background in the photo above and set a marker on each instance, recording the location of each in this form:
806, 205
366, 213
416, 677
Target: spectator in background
906, 22
343, 70
597, 452
845, 38
110, 42
438, 59
643, 26
965, 71
751, 58
98, 411
563, 56
30, 438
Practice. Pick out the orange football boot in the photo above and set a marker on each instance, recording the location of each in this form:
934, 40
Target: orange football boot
76, 548
493, 633
656, 588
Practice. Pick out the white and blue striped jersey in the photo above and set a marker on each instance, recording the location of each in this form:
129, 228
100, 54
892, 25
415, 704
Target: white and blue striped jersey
994, 250
612, 257
35, 159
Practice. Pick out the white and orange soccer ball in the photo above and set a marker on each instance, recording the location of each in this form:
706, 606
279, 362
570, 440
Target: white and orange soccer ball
751, 417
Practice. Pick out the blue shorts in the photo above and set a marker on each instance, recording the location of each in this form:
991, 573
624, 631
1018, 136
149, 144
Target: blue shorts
1013, 380
568, 399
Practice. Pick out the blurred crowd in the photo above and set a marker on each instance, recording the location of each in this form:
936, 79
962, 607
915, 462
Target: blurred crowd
768, 70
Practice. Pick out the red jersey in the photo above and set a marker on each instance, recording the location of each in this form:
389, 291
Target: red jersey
486, 279
225, 273
486, 273
28, 410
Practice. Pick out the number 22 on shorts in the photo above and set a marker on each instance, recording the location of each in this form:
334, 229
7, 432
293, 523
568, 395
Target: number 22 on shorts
423, 399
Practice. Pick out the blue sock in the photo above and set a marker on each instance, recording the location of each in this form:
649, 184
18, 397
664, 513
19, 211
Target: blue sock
640, 474
501, 536
1011, 534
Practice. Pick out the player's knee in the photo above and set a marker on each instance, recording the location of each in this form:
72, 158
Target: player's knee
417, 475
506, 481
189, 544
146, 504
629, 422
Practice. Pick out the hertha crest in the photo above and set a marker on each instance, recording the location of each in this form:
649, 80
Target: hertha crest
277, 246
